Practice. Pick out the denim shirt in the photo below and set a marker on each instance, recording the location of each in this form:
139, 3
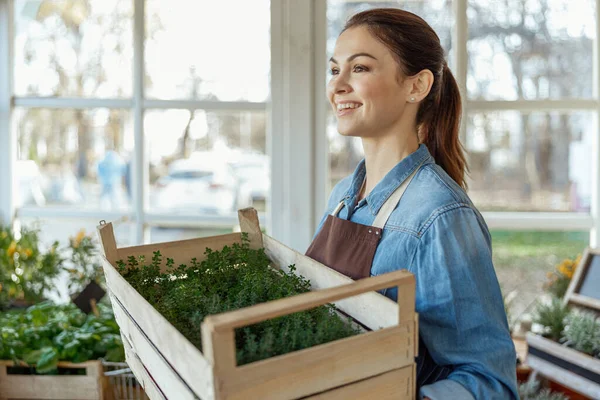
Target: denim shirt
437, 234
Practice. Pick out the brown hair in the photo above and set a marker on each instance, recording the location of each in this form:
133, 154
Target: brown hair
416, 47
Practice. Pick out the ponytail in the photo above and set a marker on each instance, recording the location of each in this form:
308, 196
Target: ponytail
439, 129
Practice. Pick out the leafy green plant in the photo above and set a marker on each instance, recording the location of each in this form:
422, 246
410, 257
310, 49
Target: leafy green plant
582, 333
531, 391
552, 318
47, 333
82, 262
26, 271
229, 279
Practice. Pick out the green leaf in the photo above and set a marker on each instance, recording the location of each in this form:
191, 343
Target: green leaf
48, 361
70, 350
116, 354
33, 357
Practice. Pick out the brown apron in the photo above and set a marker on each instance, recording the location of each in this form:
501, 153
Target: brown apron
348, 247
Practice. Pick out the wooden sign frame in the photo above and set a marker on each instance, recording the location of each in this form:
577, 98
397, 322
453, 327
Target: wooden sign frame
573, 297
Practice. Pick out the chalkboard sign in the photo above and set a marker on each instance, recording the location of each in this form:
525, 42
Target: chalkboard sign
87, 299
584, 289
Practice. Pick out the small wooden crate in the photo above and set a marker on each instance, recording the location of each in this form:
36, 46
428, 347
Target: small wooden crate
570, 368
53, 387
378, 364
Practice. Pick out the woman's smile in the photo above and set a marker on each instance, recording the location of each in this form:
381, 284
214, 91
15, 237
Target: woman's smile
346, 107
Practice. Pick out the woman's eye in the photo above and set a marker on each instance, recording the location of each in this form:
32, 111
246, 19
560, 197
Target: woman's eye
359, 68
334, 71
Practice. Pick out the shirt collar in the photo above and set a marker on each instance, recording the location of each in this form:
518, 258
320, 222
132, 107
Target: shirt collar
390, 182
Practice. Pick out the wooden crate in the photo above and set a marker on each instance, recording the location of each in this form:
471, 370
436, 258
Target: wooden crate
53, 387
570, 368
376, 364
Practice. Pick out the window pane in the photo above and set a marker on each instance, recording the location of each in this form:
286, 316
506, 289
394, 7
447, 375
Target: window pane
207, 162
522, 260
236, 66
73, 49
531, 162
535, 49
437, 13
74, 158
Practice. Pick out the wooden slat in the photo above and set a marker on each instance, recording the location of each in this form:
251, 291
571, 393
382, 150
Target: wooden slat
564, 377
393, 385
323, 367
371, 309
248, 218
185, 358
53, 387
106, 235
181, 251
563, 352
261, 312
136, 366
416, 333
149, 356
585, 301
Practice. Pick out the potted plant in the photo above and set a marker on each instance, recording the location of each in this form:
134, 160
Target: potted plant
568, 345
52, 351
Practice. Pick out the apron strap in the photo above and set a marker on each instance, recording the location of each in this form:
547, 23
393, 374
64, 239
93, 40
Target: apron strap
338, 208
341, 205
390, 204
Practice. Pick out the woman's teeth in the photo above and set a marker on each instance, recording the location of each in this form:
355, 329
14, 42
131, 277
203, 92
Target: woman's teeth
348, 105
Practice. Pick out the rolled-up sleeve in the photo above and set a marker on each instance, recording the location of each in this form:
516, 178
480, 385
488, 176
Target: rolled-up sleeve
461, 312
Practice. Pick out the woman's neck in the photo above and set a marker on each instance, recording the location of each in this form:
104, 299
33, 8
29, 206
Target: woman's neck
382, 154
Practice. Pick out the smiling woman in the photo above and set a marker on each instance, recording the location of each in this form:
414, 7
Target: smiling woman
405, 205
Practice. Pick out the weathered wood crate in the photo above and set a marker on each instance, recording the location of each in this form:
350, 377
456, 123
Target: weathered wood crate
14, 385
563, 365
378, 364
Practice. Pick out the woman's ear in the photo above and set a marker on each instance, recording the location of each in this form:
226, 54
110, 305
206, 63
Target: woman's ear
420, 85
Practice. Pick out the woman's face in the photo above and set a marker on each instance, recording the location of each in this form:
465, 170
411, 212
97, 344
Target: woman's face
365, 89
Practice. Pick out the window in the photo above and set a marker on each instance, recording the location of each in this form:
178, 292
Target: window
74, 158
203, 114
66, 50
539, 161
525, 49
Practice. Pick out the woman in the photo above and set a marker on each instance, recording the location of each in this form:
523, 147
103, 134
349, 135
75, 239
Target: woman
405, 205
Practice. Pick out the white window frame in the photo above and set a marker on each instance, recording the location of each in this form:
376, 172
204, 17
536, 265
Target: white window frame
296, 135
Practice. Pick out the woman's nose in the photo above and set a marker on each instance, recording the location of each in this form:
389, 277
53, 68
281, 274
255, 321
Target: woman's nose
341, 84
